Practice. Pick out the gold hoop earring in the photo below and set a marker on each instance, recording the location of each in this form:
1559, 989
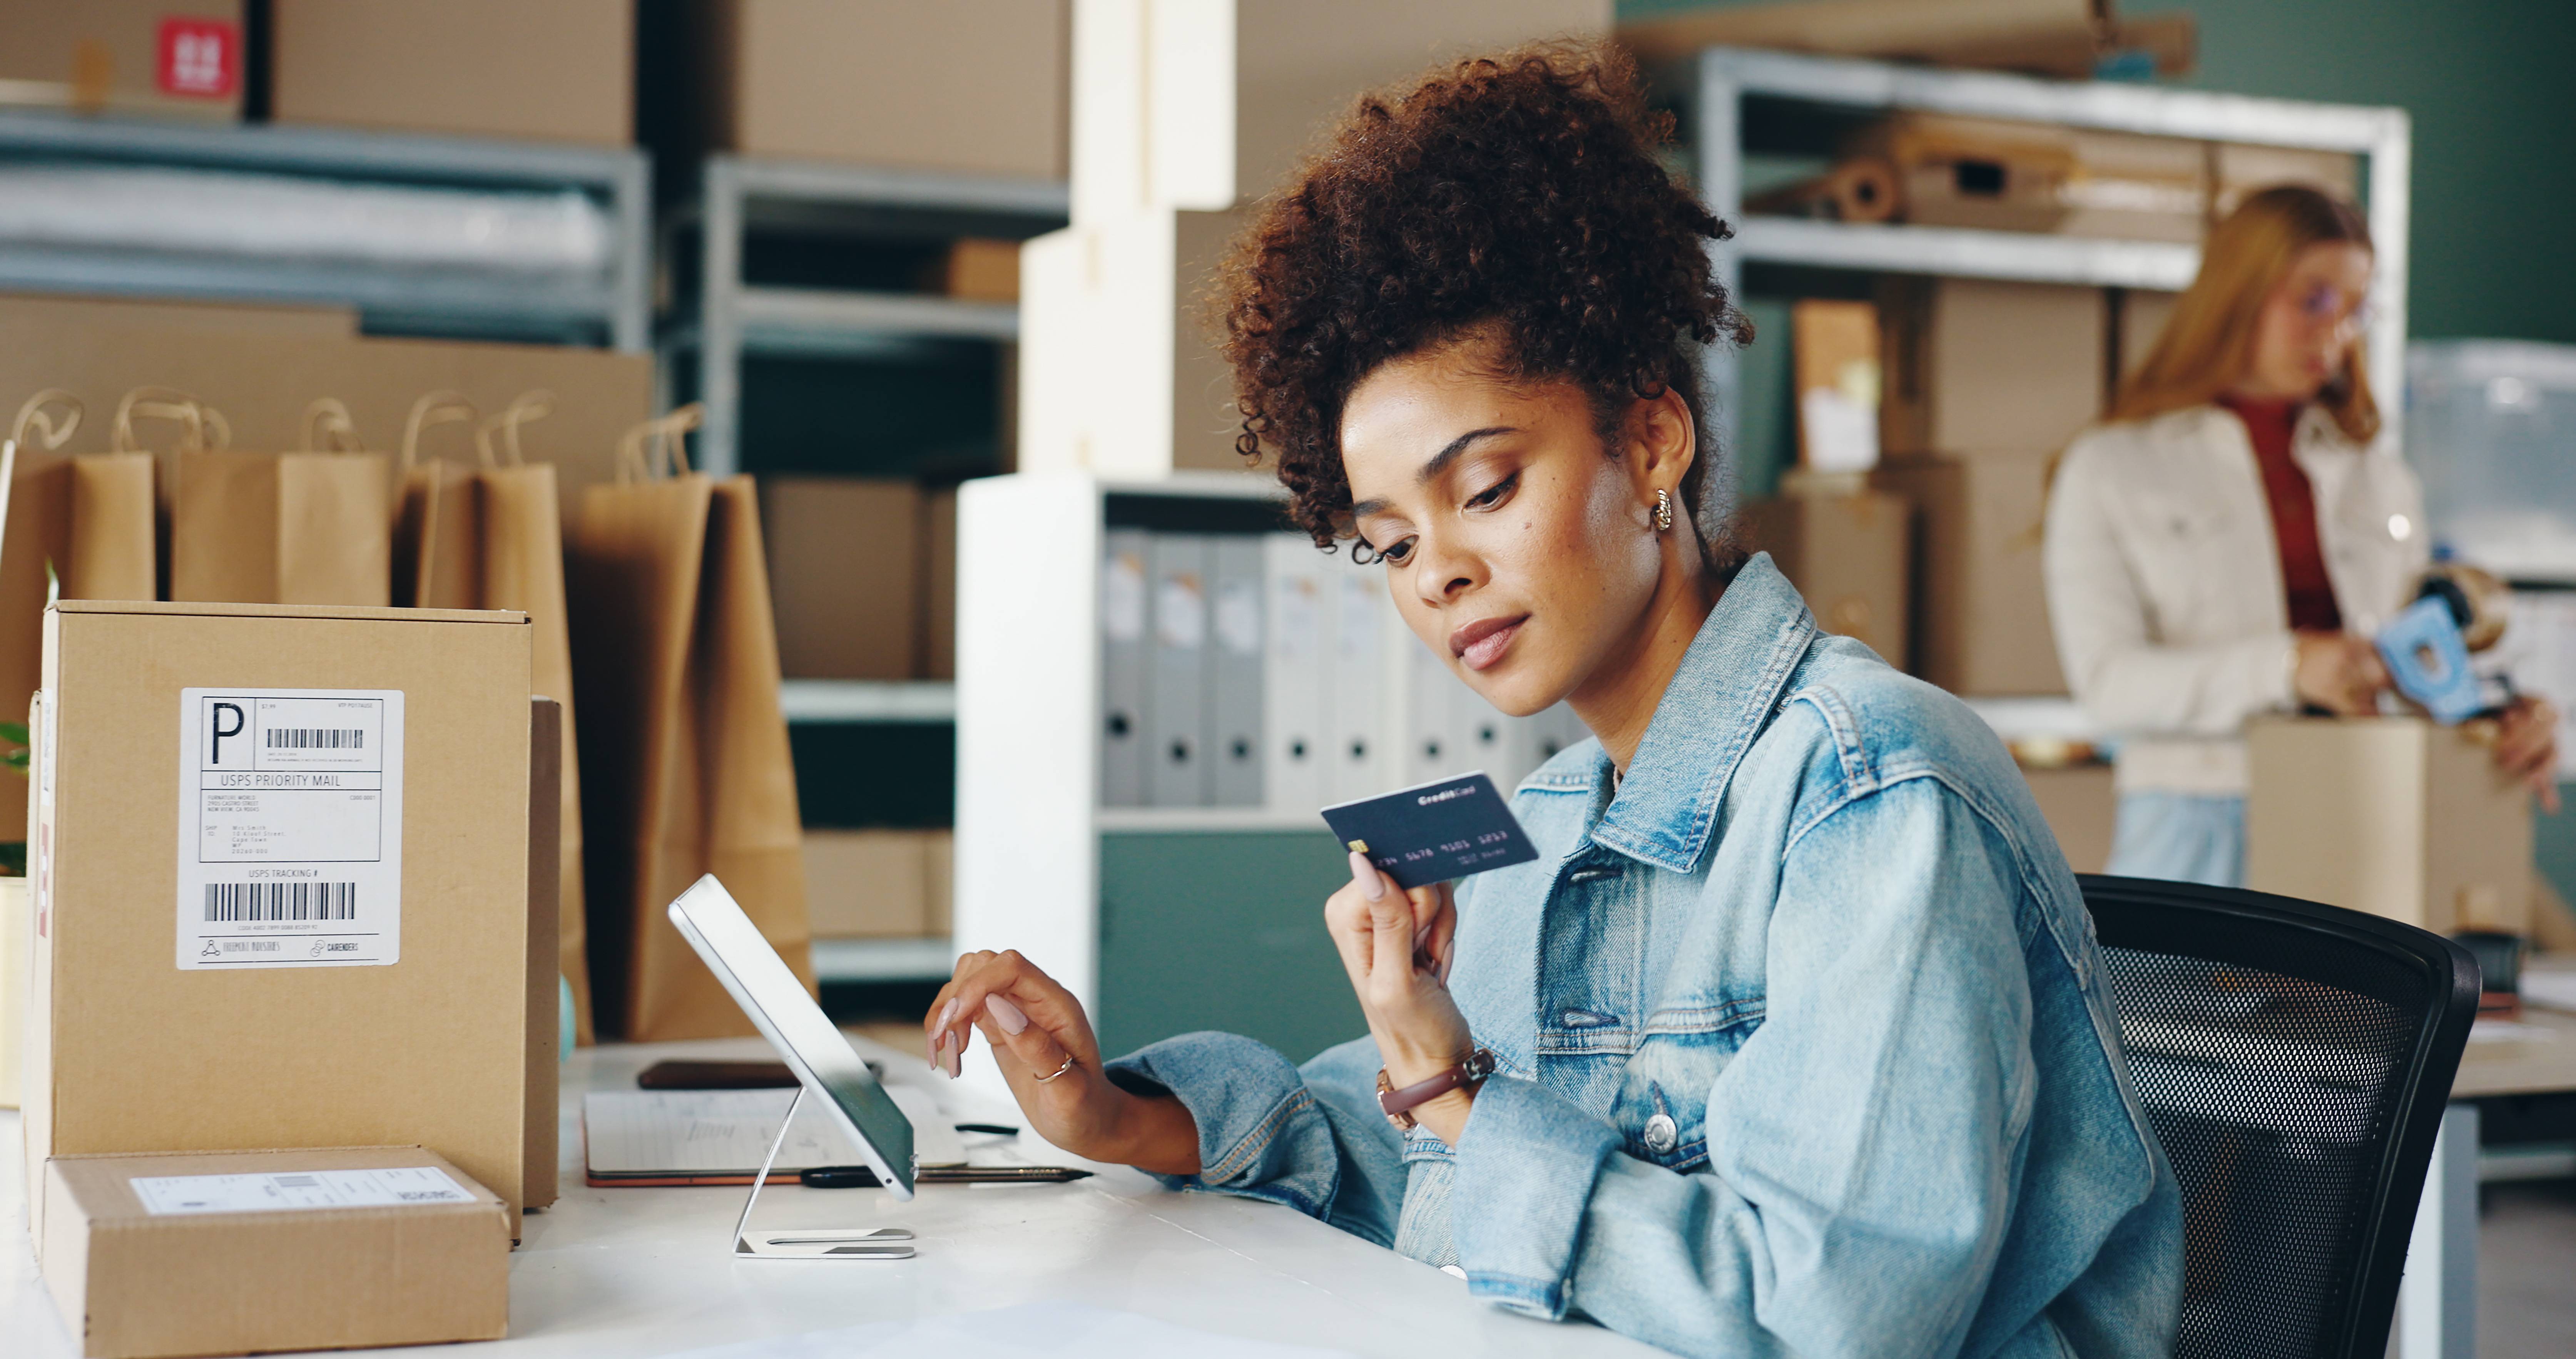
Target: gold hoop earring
1663, 511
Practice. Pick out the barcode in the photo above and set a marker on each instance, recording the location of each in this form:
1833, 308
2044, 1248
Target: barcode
237, 901
317, 738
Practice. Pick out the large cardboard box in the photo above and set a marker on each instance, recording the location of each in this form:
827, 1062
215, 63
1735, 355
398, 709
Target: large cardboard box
2390, 815
165, 58
159, 1254
868, 884
1976, 366
1980, 604
2081, 805
939, 584
1847, 554
563, 70
545, 1052
967, 86
281, 881
844, 575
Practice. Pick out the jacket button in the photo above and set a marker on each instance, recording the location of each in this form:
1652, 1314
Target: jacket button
1661, 1135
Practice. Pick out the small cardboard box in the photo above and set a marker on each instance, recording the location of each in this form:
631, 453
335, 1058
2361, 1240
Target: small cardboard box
147, 1253
2080, 804
281, 882
1847, 555
157, 57
845, 566
868, 884
1980, 605
1835, 359
559, 71
2390, 815
1977, 367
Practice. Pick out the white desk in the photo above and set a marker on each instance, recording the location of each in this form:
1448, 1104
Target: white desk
633, 1272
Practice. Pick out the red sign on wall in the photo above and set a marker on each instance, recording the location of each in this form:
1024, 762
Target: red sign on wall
200, 57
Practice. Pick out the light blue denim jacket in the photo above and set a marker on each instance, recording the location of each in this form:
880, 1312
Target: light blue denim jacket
1803, 1038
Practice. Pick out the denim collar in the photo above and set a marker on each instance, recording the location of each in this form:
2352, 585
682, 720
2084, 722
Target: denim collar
1718, 701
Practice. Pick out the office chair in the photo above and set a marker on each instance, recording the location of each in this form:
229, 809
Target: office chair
2294, 1059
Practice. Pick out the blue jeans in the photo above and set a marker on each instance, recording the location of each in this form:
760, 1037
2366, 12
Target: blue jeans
2180, 837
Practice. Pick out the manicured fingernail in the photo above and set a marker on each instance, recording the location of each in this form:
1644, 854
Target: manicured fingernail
1005, 1014
947, 1013
956, 1059
1372, 884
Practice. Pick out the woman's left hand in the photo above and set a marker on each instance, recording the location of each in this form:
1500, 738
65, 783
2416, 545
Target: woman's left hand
2527, 746
1396, 947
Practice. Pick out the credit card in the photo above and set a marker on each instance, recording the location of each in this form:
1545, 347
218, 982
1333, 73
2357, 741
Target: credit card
1432, 832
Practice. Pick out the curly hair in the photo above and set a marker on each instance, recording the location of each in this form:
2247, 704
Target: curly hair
1516, 193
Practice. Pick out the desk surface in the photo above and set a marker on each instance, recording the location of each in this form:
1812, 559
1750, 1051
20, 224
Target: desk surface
2542, 1060
635, 1272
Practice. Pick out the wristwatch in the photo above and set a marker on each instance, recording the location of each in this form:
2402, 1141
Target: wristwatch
1400, 1104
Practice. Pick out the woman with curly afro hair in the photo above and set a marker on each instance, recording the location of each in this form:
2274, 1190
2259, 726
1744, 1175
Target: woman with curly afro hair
1793, 1039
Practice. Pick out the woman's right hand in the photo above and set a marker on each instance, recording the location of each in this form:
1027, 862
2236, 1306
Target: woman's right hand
2338, 672
1044, 1045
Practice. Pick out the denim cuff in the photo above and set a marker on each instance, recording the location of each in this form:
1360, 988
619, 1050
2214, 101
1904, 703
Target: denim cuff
1260, 1132
1526, 1165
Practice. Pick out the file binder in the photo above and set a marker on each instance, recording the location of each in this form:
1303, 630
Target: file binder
1294, 758
1355, 624
1123, 665
1176, 708
1235, 752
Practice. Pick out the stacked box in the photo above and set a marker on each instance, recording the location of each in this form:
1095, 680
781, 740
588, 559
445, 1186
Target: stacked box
1980, 604
1847, 555
561, 71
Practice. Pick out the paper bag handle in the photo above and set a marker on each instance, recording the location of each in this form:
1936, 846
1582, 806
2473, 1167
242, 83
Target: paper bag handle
433, 408
328, 419
668, 439
162, 403
526, 406
32, 416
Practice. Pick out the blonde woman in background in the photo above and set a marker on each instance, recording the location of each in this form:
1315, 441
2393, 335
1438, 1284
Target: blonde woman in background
2228, 540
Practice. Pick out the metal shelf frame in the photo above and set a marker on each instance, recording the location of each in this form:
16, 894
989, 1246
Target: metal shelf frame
732, 317
812, 700
1714, 89
884, 960
443, 299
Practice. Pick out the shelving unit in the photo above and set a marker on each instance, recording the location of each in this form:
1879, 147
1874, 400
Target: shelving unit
809, 700
1715, 90
413, 224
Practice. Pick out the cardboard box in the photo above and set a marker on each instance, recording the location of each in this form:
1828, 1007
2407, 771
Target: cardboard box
2138, 317
563, 70
2238, 170
165, 58
1847, 554
202, 1037
968, 86
2081, 806
1906, 29
1980, 604
1977, 367
2390, 815
1835, 348
420, 1254
545, 953
844, 575
318, 323
979, 270
939, 584
868, 884
941, 885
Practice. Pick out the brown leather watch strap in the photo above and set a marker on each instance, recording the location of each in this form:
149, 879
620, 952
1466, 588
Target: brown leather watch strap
1399, 1104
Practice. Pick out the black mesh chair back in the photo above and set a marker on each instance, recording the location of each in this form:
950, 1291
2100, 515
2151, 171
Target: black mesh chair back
2294, 1059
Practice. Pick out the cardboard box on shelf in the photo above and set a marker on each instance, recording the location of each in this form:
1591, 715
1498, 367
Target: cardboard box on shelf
868, 884
146, 1252
560, 71
1976, 366
979, 270
254, 816
2139, 317
1980, 606
941, 885
2390, 815
1865, 28
2080, 804
1847, 554
320, 323
968, 86
150, 57
1835, 346
845, 575
939, 584
2239, 169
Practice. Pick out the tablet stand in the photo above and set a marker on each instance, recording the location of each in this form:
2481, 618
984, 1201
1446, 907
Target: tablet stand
811, 1243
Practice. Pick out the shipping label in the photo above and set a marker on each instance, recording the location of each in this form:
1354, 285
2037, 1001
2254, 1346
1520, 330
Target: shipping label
290, 828
179, 1195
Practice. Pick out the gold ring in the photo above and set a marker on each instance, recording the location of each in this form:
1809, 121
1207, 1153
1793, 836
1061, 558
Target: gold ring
1068, 1066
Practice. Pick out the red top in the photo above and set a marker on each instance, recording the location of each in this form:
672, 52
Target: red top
2294, 512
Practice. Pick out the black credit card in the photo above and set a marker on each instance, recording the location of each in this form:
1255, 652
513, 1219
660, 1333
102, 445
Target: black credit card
1432, 832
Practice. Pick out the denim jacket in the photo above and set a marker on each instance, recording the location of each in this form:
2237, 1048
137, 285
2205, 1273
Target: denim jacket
1803, 1043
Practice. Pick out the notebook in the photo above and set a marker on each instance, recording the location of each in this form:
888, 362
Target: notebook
646, 1138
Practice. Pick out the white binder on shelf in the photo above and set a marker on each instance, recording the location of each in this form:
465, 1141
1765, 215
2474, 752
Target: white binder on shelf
1176, 707
1124, 664
1235, 670
1294, 754
1354, 629
1431, 708
1490, 741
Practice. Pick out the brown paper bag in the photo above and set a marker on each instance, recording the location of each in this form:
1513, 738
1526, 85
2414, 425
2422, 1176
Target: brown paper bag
522, 561
270, 528
438, 548
686, 746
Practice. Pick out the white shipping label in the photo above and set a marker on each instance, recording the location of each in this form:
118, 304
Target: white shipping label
290, 827
168, 1195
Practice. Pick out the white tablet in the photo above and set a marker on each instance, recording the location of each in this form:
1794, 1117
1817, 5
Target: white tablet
760, 982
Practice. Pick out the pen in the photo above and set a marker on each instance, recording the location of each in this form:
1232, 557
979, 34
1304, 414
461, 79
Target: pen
860, 1177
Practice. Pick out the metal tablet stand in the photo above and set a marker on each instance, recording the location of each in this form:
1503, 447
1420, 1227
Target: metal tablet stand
811, 1243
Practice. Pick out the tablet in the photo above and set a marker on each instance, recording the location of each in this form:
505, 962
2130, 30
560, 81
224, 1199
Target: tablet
825, 1064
